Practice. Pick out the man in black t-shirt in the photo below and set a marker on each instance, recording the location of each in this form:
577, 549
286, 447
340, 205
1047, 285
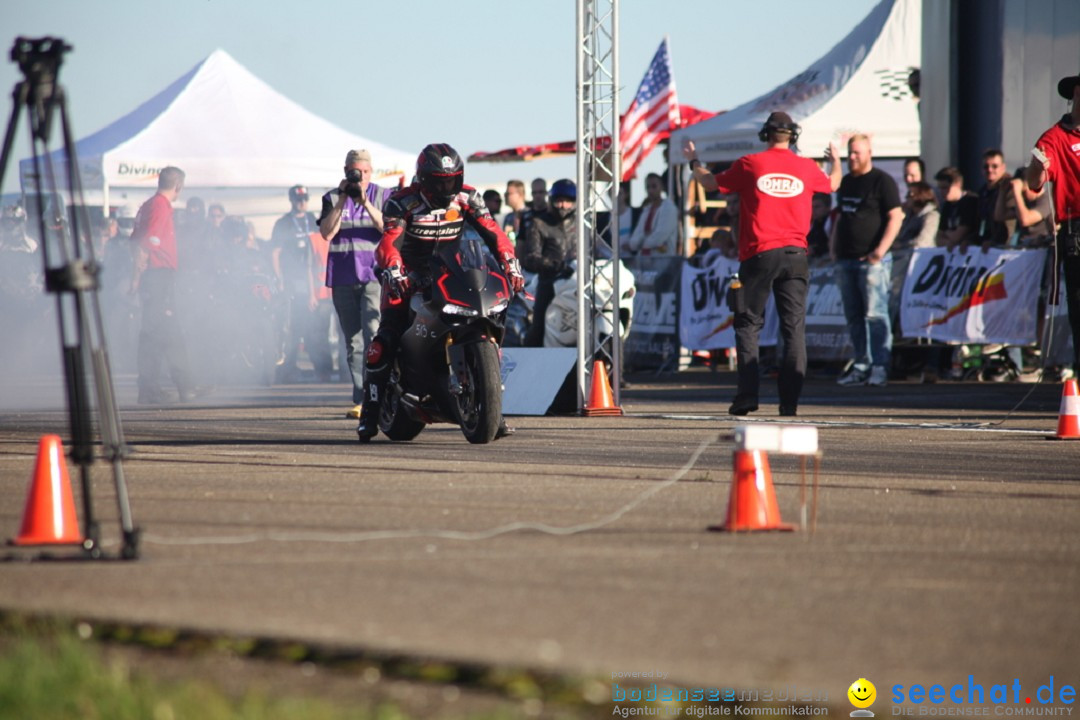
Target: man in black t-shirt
817, 240
870, 217
992, 232
959, 210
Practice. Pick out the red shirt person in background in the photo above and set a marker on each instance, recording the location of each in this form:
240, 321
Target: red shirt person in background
161, 341
775, 189
1056, 158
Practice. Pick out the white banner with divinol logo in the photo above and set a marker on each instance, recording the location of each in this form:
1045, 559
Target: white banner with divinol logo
827, 334
972, 297
706, 322
654, 341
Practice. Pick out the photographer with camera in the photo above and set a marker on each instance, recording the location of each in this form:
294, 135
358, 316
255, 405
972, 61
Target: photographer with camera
352, 220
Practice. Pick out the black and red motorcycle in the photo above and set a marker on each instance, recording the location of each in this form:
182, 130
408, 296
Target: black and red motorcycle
448, 366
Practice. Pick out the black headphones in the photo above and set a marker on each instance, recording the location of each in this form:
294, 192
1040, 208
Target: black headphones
793, 128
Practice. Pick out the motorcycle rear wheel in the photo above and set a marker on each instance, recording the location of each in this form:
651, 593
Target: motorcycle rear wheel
480, 404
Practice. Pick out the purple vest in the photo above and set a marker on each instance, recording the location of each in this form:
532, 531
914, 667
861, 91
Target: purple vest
352, 251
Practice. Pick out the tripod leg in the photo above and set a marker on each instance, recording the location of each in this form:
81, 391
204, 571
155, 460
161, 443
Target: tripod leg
81, 448
81, 228
19, 98
112, 437
63, 279
92, 338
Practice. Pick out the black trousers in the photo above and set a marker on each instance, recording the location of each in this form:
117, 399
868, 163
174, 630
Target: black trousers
161, 339
1069, 254
545, 293
785, 273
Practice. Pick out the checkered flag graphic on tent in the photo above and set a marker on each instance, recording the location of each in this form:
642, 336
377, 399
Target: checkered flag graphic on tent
655, 110
894, 83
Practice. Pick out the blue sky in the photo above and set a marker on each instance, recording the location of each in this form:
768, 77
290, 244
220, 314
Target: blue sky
479, 74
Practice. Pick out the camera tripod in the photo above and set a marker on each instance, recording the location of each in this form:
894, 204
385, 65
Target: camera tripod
71, 273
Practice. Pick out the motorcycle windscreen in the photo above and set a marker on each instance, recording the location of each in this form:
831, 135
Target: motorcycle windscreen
471, 257
476, 275
472, 253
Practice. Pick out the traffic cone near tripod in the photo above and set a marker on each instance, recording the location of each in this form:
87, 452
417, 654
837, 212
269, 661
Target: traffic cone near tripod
49, 518
752, 503
601, 401
1069, 416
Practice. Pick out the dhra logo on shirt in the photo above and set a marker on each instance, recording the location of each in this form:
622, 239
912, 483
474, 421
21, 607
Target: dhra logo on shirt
780, 185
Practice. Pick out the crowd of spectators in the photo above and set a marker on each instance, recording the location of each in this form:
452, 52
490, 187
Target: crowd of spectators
944, 210
256, 303
231, 301
1001, 213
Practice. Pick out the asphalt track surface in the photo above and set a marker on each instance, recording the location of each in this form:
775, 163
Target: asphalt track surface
947, 539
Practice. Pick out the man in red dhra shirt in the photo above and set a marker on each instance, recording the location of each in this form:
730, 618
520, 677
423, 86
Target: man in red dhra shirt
1060, 163
775, 190
160, 337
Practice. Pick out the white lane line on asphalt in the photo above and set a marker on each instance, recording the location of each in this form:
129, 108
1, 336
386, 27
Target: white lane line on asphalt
441, 534
962, 427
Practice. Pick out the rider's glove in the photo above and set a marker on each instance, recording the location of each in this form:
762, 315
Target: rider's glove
397, 284
512, 268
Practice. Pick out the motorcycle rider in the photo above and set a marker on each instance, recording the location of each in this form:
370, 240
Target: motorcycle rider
432, 210
550, 246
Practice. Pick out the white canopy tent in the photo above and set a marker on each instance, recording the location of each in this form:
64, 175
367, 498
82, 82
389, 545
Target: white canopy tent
232, 134
858, 86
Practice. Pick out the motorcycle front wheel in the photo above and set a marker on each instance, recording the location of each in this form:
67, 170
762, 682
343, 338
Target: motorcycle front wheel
479, 405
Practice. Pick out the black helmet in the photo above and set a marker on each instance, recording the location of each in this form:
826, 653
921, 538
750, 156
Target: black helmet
441, 174
564, 188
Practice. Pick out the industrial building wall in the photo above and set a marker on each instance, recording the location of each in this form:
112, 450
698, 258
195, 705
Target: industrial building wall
1041, 43
978, 85
989, 78
936, 82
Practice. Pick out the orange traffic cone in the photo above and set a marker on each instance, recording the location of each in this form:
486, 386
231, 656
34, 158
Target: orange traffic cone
601, 401
752, 504
1069, 416
49, 518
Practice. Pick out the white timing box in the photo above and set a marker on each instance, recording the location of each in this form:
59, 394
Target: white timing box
787, 439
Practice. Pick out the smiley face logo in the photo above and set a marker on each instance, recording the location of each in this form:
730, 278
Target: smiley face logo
862, 693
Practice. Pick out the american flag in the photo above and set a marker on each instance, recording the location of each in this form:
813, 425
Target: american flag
652, 115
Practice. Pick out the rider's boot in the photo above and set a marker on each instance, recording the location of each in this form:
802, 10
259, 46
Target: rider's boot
504, 429
369, 416
377, 376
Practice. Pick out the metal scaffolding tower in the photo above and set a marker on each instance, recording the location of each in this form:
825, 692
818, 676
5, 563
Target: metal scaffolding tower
598, 173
